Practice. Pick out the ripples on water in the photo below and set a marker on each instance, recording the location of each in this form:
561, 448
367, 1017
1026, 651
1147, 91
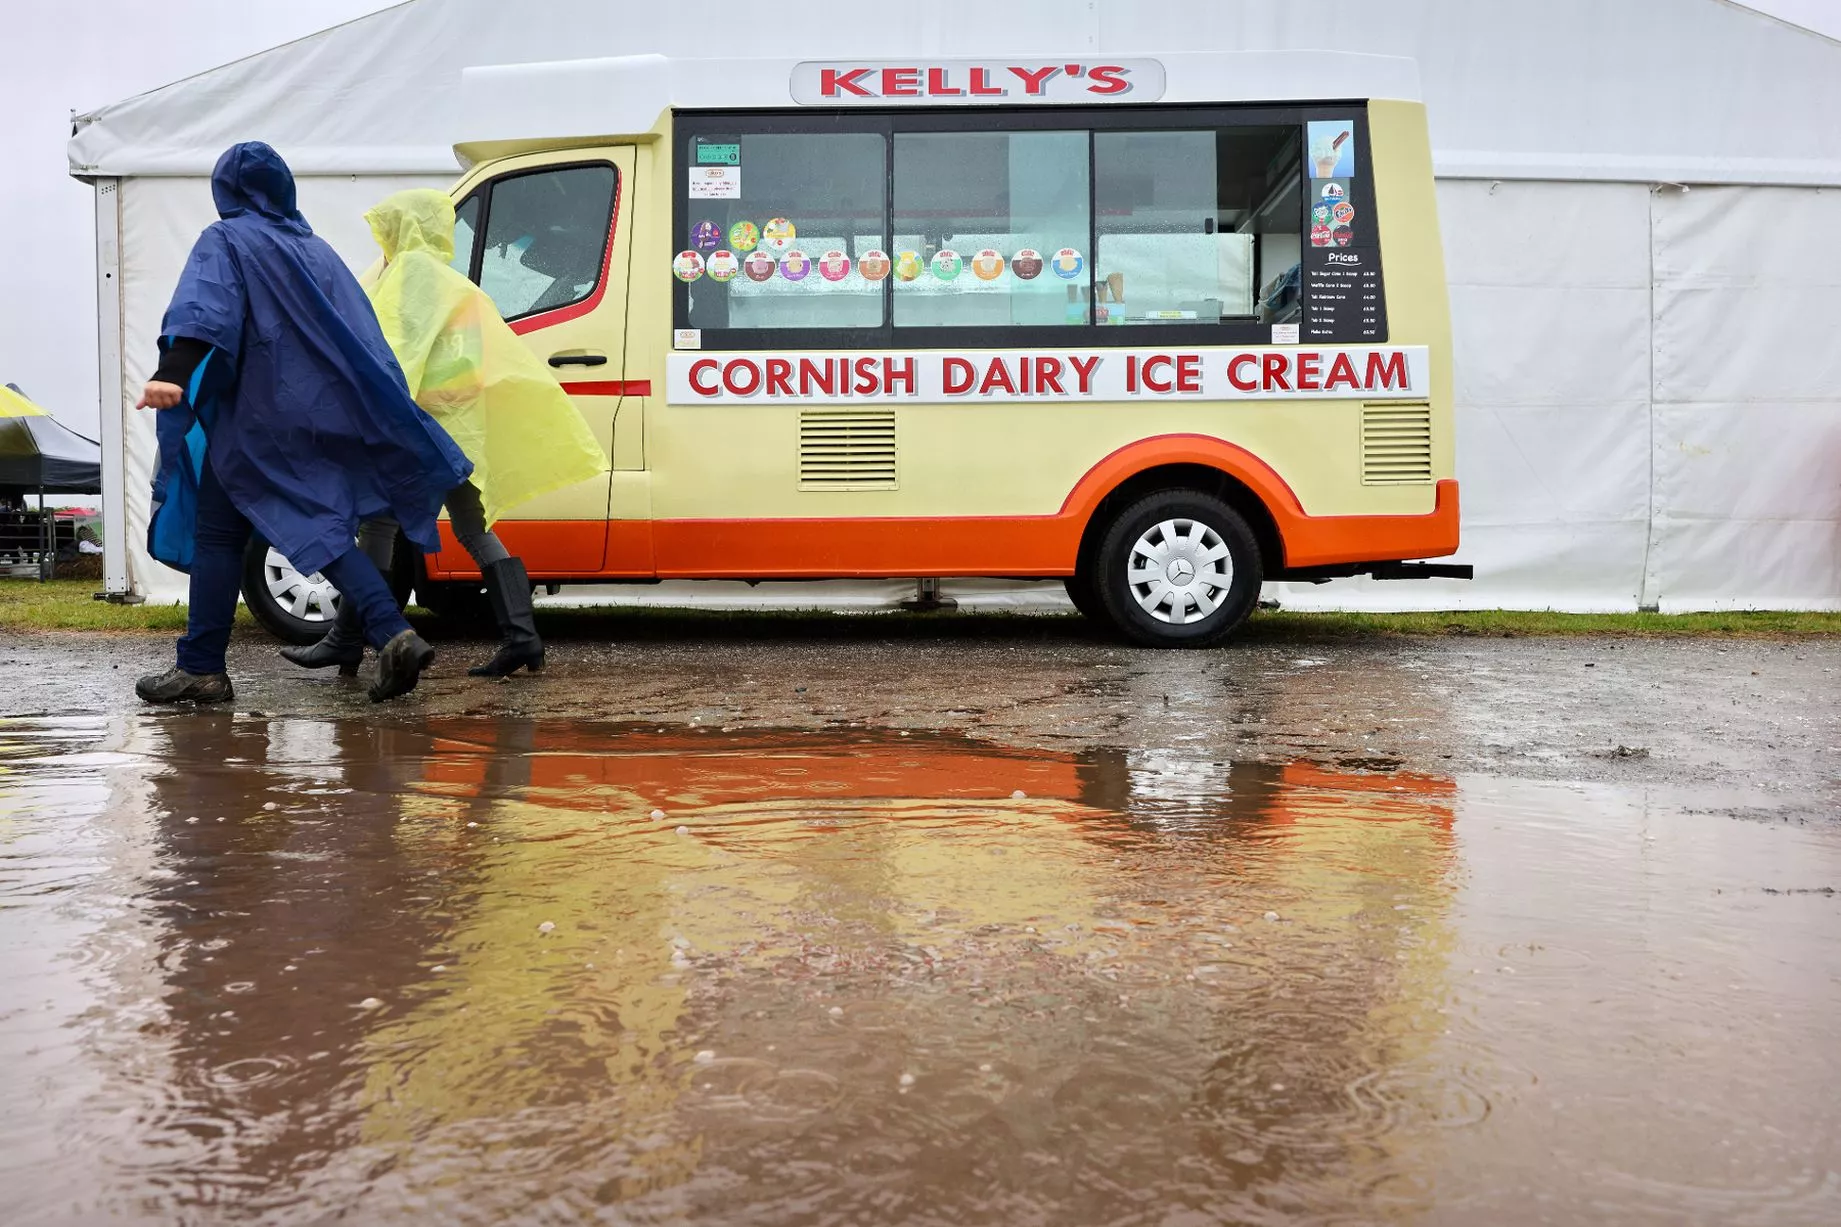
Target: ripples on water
284, 970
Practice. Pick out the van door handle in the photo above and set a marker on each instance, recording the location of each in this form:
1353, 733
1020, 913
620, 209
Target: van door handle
578, 359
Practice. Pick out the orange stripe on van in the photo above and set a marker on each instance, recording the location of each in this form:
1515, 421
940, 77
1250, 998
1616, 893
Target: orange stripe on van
894, 547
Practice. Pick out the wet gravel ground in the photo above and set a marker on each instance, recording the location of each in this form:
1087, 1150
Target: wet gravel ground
1734, 726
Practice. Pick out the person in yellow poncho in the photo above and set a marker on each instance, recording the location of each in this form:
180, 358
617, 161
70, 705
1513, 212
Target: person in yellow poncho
503, 408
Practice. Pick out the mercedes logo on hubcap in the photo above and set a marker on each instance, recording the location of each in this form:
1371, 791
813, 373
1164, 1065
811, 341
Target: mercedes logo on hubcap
1181, 571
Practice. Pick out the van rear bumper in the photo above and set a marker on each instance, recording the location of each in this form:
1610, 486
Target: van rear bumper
1326, 541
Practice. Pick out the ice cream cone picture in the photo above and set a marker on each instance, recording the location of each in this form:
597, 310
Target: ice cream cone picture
873, 265
988, 264
688, 266
909, 266
1327, 141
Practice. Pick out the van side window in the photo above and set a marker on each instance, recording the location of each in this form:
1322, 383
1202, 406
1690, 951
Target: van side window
1192, 224
546, 238
984, 224
785, 230
466, 229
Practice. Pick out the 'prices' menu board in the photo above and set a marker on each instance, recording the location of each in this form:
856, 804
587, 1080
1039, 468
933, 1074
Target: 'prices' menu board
1342, 297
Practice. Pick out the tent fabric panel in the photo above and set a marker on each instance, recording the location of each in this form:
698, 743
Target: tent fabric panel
1748, 399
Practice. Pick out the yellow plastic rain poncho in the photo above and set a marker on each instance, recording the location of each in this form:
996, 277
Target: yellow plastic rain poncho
466, 367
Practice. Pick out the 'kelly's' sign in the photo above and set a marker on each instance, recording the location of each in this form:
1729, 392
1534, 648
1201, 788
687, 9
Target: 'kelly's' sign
975, 82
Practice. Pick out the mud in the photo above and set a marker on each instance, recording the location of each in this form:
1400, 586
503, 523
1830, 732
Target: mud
1007, 927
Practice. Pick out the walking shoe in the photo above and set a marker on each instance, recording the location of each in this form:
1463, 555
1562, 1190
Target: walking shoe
177, 686
400, 665
508, 588
327, 651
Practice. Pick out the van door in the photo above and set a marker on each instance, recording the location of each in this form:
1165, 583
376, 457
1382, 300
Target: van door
547, 237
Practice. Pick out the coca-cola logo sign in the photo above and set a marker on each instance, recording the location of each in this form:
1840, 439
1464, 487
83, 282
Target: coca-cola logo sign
976, 82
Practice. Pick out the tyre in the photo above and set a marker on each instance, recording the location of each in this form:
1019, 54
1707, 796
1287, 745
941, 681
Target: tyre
1178, 569
294, 608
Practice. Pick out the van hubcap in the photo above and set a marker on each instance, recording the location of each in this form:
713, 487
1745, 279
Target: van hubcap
1180, 571
312, 598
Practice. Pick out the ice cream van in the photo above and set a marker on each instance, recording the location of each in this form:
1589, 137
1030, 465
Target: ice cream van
1162, 328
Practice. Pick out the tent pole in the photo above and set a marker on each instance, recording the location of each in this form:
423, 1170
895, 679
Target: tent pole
112, 411
46, 543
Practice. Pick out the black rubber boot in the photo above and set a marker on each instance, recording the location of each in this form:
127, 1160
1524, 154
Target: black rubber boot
177, 686
343, 646
508, 587
399, 665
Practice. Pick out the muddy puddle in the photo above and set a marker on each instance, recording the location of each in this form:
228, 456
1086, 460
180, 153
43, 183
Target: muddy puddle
483, 970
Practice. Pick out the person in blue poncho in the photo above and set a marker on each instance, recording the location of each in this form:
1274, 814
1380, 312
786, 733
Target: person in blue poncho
284, 409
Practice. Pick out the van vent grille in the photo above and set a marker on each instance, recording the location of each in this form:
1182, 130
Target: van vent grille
1396, 445
847, 450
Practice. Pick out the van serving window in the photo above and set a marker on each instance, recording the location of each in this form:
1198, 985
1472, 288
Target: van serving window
979, 217
929, 229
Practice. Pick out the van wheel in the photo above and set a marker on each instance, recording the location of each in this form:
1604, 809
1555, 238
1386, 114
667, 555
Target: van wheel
294, 608
1178, 569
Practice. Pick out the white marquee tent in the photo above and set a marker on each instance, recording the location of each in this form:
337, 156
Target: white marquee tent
1640, 204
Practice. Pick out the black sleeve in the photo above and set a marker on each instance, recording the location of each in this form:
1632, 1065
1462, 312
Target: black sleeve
179, 357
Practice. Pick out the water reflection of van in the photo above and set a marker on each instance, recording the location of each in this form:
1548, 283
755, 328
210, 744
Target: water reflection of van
1161, 328
460, 939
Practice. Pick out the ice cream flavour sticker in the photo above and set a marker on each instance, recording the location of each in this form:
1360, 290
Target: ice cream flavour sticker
777, 236
1026, 264
873, 265
722, 265
688, 266
794, 265
834, 266
759, 266
705, 236
743, 236
1068, 263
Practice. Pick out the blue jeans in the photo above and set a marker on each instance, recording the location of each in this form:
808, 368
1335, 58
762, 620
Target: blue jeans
217, 578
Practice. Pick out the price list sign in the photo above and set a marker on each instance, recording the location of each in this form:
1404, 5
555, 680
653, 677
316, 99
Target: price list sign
1343, 301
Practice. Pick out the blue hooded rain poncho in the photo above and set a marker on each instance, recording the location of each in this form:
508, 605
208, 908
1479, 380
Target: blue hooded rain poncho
308, 423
